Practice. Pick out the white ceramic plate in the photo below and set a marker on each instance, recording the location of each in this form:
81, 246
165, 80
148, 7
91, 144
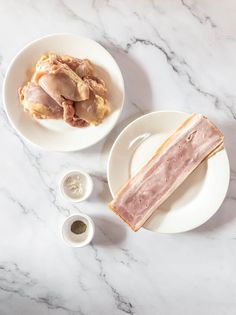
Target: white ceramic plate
196, 200
54, 134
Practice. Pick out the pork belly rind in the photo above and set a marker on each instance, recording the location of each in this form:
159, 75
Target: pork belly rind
194, 141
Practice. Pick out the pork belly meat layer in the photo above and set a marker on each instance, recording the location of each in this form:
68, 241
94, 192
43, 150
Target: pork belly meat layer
195, 140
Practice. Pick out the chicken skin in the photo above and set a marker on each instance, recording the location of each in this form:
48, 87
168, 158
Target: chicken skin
40, 105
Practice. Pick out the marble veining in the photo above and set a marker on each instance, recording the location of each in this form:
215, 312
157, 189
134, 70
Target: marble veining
174, 54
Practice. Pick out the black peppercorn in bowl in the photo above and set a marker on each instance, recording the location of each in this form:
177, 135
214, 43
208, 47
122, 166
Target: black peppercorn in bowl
78, 230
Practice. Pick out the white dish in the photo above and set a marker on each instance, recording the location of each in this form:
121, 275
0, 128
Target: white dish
78, 240
86, 185
196, 200
56, 134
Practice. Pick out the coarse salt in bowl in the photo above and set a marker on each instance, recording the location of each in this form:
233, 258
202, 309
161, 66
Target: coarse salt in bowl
76, 185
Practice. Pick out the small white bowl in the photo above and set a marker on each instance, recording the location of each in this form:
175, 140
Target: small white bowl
78, 240
86, 182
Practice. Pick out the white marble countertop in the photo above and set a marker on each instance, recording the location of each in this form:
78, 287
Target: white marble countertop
174, 54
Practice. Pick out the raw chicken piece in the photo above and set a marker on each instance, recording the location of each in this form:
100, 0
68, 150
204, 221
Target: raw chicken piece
40, 105
96, 85
92, 110
59, 81
82, 67
70, 116
65, 87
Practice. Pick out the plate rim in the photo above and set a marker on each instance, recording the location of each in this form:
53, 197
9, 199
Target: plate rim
109, 161
25, 47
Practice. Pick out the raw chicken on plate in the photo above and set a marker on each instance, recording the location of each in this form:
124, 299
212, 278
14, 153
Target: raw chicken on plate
65, 87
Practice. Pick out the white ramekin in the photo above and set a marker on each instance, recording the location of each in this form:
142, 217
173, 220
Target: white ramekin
88, 186
77, 240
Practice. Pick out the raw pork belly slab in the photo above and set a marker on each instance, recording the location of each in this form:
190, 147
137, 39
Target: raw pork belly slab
195, 140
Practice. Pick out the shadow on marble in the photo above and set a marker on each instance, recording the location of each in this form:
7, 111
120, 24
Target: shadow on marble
105, 194
137, 83
138, 93
229, 130
223, 216
227, 211
108, 232
102, 192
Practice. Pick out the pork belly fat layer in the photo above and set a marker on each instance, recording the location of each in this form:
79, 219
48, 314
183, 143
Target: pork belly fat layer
180, 154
